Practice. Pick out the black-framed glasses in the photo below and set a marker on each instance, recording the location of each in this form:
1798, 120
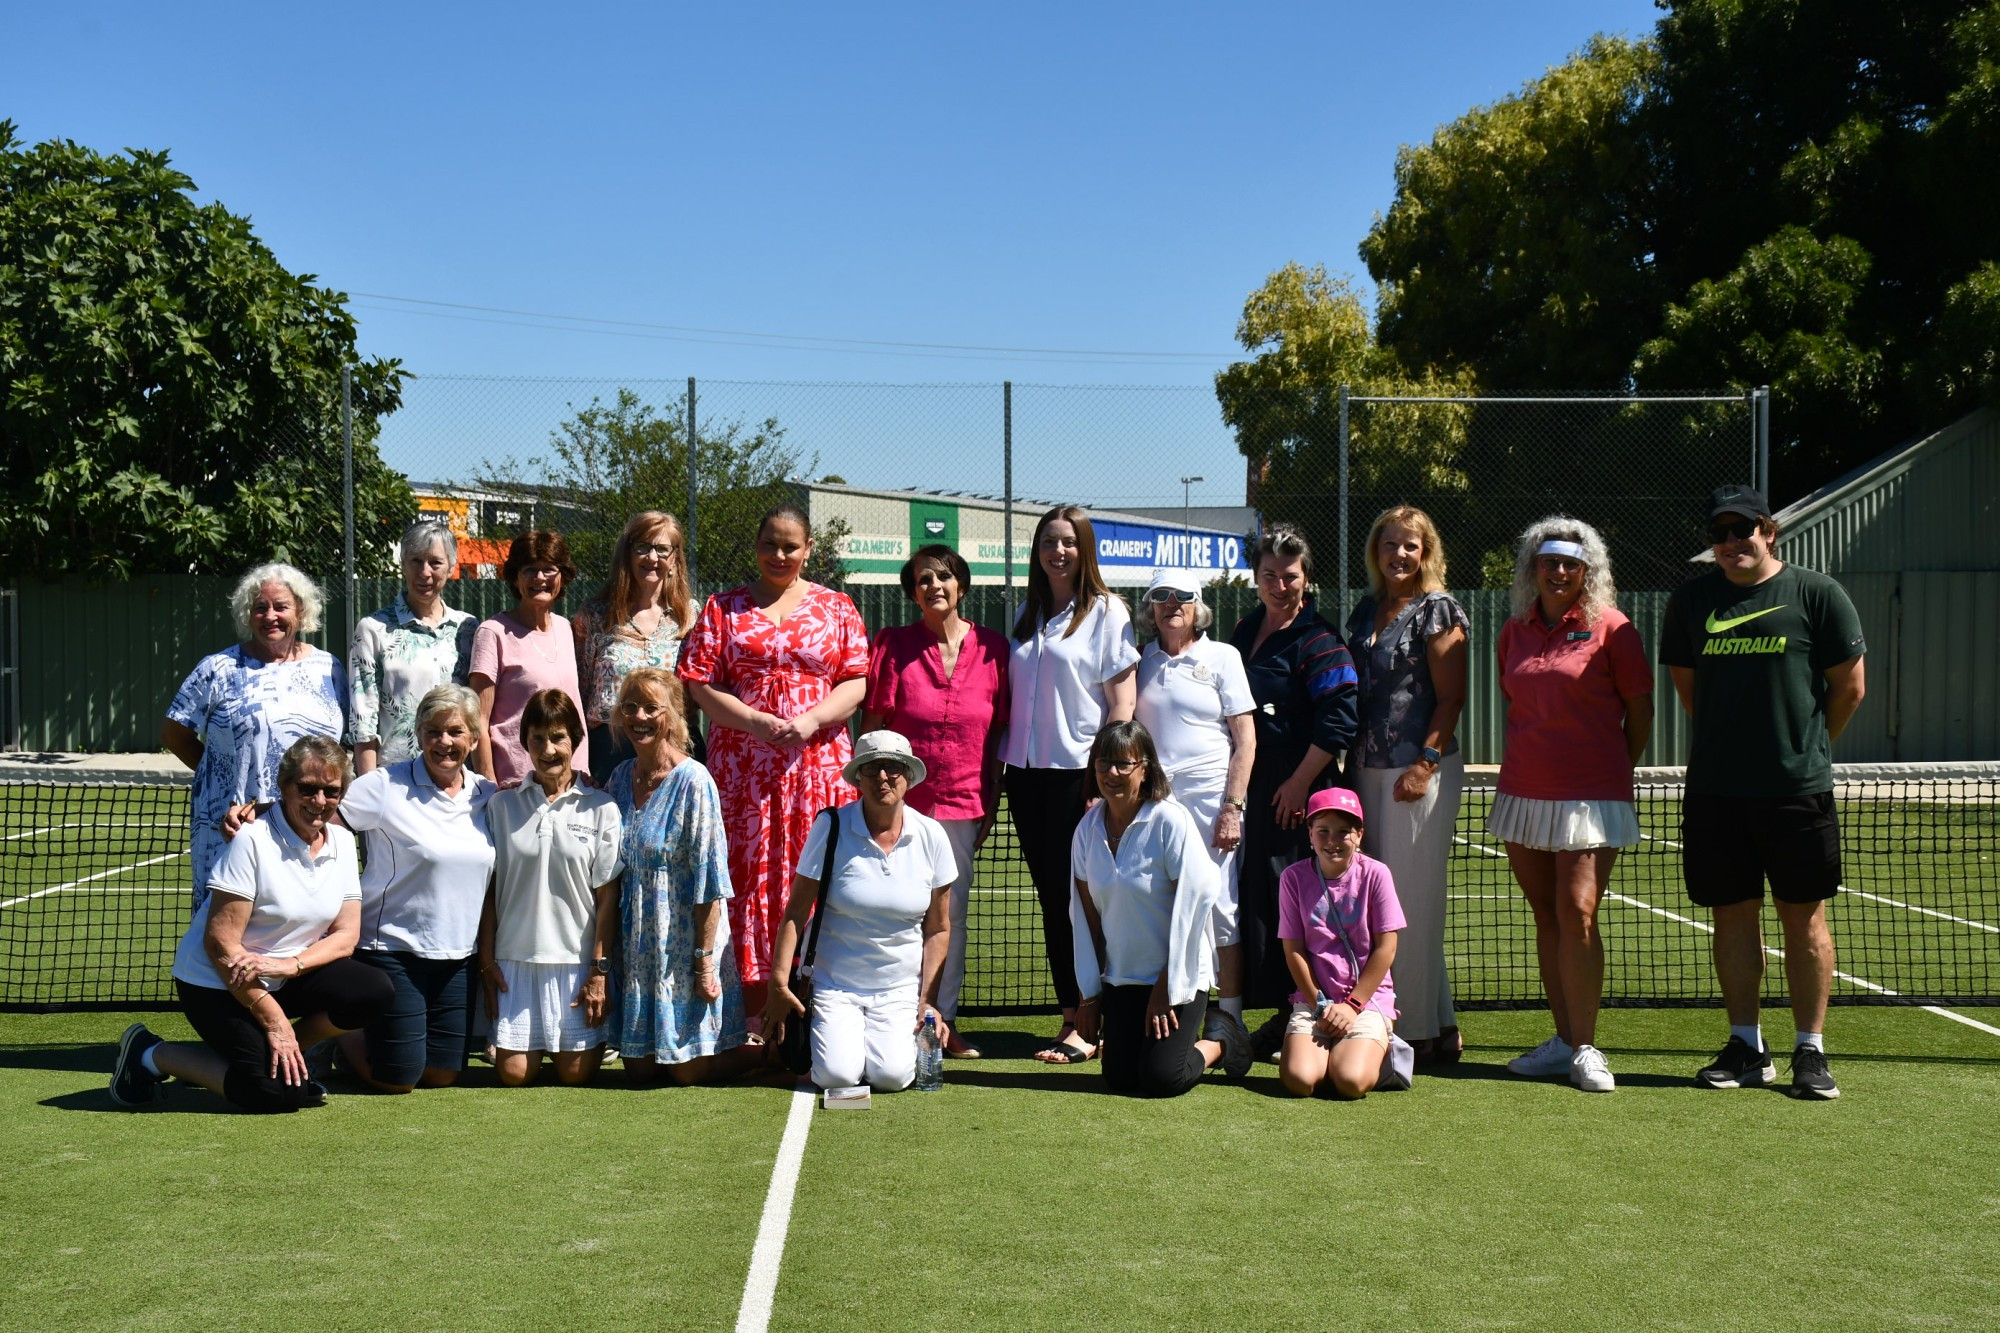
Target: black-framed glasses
1559, 564
323, 792
1735, 530
1166, 596
1118, 768
881, 768
661, 549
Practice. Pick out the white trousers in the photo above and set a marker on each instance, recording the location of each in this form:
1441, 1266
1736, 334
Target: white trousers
864, 1037
1413, 838
1201, 793
961, 833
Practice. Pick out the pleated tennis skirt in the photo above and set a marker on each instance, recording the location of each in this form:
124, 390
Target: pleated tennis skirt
1563, 826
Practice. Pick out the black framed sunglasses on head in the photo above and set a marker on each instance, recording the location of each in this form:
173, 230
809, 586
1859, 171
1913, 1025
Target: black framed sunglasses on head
1734, 530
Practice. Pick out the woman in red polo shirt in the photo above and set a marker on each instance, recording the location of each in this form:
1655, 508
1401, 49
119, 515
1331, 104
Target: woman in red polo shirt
1579, 711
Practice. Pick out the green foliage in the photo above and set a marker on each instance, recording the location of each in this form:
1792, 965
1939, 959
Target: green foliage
169, 393
612, 460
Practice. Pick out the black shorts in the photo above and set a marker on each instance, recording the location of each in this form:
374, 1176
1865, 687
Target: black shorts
1731, 844
424, 1026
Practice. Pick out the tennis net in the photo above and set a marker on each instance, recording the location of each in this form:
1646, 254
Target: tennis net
94, 896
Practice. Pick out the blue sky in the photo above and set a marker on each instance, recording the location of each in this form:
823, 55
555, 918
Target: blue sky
1109, 179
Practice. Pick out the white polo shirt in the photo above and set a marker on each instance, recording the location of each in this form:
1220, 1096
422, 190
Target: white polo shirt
294, 895
1057, 684
551, 858
429, 857
1153, 898
1184, 699
872, 939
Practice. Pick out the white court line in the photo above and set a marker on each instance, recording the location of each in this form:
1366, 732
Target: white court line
1707, 929
102, 874
37, 832
761, 1286
1876, 898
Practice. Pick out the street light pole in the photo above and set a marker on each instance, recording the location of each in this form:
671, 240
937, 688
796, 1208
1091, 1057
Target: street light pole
1187, 532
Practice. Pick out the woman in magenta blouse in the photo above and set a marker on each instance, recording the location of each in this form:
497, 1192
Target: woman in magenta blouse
942, 682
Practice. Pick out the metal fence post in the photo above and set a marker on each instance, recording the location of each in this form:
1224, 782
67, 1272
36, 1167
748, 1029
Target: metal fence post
349, 582
1007, 489
687, 552
1762, 427
1340, 614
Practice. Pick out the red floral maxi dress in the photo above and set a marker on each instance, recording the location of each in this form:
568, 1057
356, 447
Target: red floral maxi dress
771, 794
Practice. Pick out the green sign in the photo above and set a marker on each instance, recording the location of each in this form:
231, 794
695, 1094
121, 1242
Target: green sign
933, 522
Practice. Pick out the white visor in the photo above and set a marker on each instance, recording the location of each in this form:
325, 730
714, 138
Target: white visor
1574, 550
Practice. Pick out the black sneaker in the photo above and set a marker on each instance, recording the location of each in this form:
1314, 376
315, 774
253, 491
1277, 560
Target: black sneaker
1738, 1067
1266, 1040
1226, 1028
131, 1085
1810, 1076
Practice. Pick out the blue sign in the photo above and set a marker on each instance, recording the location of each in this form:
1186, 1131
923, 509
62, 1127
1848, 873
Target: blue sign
1128, 553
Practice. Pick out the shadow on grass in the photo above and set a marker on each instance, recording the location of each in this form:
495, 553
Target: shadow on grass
62, 1057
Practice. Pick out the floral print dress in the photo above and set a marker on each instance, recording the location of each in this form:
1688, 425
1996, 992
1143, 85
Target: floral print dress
676, 858
770, 793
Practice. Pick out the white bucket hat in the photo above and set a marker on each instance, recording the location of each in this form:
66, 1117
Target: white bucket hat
879, 745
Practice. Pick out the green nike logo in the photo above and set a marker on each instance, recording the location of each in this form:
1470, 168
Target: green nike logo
1717, 626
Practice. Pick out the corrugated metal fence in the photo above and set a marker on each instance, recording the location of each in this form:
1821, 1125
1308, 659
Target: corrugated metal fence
101, 662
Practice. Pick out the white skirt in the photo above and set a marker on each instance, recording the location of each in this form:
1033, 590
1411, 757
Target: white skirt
1563, 826
534, 1014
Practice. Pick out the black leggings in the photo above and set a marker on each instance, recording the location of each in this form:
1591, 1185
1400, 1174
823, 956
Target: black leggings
1261, 859
350, 994
1140, 1065
1046, 805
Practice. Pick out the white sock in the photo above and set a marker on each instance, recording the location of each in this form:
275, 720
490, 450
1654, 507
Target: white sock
1752, 1034
149, 1064
1816, 1040
1233, 1006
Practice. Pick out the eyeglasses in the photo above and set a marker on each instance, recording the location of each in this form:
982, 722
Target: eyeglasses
1164, 596
1560, 564
1735, 531
1118, 768
885, 768
661, 549
315, 789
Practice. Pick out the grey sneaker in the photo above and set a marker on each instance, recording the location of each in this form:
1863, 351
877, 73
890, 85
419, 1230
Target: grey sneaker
1547, 1060
1810, 1076
1737, 1066
1589, 1070
131, 1085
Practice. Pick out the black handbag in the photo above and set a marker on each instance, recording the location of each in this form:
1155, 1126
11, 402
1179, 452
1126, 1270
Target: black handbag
795, 1047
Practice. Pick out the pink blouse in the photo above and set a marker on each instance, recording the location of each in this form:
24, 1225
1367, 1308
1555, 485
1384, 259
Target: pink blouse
953, 723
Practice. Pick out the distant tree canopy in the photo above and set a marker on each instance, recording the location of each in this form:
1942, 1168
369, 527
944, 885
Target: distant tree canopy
1765, 192
612, 460
170, 394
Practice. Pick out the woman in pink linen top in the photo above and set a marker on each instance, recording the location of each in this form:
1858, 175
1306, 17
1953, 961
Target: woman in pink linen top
942, 682
520, 652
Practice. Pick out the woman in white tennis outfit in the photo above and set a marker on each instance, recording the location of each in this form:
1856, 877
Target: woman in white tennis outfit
1195, 700
882, 942
550, 929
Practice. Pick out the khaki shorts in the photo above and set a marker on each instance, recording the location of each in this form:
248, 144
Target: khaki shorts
1369, 1025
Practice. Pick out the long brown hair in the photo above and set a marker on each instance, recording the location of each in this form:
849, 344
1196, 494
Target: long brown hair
620, 594
1040, 605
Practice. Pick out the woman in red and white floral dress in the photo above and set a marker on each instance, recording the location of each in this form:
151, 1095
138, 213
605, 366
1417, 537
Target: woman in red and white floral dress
779, 665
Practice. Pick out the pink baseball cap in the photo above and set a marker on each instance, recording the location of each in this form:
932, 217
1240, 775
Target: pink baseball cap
1335, 798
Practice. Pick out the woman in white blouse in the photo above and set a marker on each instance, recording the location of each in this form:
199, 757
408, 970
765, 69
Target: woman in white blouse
1139, 915
885, 931
1071, 673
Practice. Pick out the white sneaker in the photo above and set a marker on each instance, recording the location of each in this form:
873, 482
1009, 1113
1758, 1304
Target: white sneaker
1588, 1070
1547, 1060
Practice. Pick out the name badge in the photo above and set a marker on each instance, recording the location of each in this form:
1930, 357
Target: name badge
1577, 635
1201, 672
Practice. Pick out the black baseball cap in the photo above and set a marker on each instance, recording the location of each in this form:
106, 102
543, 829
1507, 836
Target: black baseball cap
1733, 499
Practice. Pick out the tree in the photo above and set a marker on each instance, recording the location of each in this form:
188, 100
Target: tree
610, 461
169, 393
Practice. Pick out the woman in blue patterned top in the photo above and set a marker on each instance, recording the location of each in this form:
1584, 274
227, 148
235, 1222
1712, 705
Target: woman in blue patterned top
406, 650
240, 708
681, 1004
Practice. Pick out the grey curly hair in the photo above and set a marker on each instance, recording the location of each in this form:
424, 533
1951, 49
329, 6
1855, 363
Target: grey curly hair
1599, 592
304, 592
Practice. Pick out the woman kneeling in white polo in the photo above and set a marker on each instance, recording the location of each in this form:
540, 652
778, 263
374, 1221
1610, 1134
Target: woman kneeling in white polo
888, 923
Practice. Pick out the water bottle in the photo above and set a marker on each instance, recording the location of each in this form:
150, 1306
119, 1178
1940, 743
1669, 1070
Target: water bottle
930, 1057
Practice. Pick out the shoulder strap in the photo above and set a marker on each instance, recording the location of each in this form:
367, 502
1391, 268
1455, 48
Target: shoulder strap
825, 878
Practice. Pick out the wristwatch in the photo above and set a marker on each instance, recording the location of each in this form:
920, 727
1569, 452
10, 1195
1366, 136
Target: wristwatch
1431, 755
1237, 802
706, 953
601, 966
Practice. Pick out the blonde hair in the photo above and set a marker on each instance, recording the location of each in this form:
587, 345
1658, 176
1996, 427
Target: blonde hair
1430, 570
673, 717
1599, 592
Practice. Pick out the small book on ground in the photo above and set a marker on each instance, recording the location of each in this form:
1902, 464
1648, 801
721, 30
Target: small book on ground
846, 1099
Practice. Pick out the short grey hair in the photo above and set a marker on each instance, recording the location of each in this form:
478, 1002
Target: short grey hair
1148, 625
449, 698
304, 592
420, 535
1599, 592
314, 749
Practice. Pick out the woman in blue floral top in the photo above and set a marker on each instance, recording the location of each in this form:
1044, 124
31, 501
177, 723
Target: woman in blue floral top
681, 1005
406, 650
239, 709
636, 620
1409, 644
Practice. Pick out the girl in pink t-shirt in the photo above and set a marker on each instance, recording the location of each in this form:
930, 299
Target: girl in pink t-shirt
1338, 918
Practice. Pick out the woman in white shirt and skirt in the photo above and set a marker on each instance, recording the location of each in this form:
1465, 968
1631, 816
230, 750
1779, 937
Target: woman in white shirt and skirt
1144, 887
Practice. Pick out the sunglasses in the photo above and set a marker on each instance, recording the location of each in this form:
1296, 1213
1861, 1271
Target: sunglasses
1164, 596
884, 768
1559, 564
314, 789
1118, 768
1734, 531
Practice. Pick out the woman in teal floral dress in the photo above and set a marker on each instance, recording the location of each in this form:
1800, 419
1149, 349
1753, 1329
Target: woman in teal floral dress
681, 1005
